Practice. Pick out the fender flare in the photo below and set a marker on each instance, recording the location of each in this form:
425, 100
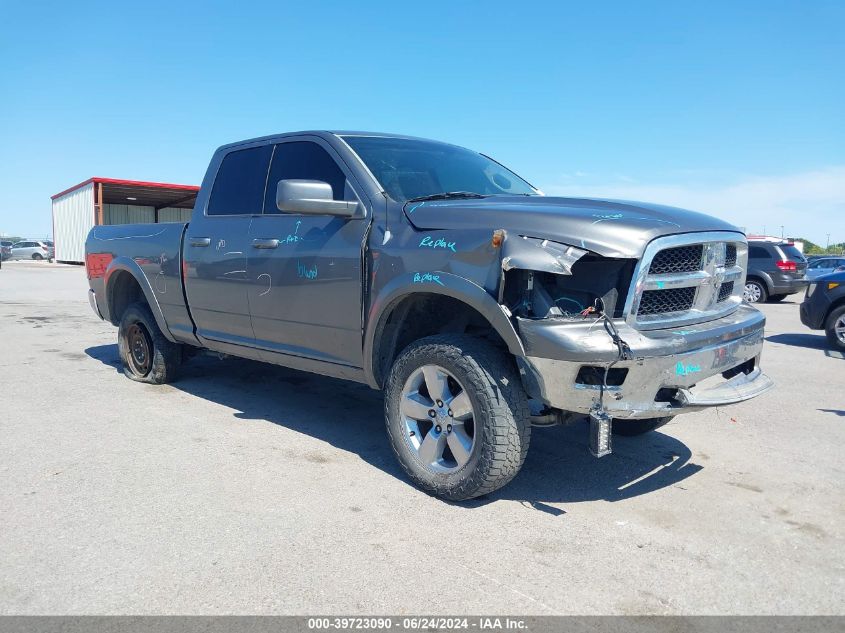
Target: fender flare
128, 265
450, 285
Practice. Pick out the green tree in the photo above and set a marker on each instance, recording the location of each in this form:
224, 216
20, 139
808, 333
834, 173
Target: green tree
811, 248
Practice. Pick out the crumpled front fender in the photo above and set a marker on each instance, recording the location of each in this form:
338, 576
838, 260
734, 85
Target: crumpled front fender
531, 253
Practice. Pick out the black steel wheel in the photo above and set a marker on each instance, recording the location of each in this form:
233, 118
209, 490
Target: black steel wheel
140, 349
145, 353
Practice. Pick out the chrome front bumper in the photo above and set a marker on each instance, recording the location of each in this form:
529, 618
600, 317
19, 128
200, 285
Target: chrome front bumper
673, 371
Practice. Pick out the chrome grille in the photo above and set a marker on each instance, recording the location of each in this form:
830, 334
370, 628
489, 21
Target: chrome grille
660, 301
683, 259
725, 291
687, 278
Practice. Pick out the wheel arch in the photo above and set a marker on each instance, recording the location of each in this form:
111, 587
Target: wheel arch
126, 283
759, 275
836, 303
386, 334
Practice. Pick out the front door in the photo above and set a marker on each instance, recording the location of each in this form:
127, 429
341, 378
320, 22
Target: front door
216, 248
305, 270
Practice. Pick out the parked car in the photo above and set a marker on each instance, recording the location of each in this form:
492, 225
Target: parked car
823, 307
823, 266
5, 250
33, 249
436, 274
775, 270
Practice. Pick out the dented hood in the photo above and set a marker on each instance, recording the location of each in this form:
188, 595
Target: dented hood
612, 228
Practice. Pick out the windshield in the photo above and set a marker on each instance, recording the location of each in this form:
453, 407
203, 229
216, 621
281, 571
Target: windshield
410, 168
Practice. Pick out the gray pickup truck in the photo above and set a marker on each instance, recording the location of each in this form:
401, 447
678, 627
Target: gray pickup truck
478, 305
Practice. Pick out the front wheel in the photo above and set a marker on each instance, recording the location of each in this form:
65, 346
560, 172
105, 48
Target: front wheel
145, 353
835, 328
457, 416
755, 292
631, 428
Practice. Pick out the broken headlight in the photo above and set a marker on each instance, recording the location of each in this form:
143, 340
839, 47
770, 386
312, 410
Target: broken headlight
544, 279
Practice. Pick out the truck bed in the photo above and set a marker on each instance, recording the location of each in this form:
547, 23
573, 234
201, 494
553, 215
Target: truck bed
153, 252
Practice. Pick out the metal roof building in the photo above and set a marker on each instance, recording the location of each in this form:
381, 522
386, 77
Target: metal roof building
100, 201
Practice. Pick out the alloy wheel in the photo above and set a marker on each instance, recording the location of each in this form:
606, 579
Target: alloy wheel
752, 293
438, 417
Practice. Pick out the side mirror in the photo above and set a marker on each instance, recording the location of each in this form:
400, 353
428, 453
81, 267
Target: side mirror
313, 197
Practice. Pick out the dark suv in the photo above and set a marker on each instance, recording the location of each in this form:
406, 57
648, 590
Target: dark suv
824, 308
775, 270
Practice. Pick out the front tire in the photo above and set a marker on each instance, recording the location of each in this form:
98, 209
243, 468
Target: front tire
755, 291
834, 327
631, 428
457, 416
145, 354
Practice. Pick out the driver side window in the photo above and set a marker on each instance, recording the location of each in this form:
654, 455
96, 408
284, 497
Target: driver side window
303, 160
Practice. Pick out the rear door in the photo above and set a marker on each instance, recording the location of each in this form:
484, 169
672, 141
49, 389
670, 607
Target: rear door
216, 246
760, 259
305, 270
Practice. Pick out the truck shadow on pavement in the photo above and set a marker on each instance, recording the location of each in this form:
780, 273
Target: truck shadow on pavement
812, 341
349, 416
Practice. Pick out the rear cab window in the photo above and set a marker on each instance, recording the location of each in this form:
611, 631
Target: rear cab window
239, 185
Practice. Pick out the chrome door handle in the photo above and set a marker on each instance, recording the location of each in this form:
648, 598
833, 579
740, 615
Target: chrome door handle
200, 241
265, 243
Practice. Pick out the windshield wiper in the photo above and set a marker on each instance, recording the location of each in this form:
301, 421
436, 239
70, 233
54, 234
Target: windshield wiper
448, 195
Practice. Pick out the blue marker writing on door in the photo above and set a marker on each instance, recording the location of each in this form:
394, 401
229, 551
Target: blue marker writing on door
306, 272
293, 238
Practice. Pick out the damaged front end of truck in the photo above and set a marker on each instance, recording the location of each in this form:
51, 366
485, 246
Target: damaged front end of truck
623, 338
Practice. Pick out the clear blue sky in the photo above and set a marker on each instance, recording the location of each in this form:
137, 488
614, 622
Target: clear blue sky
728, 107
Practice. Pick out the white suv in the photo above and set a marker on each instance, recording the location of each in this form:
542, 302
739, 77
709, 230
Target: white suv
33, 249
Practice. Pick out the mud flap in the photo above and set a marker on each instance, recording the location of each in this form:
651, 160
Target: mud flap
601, 427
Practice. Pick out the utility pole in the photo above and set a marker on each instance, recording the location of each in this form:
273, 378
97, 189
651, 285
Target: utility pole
827, 248
781, 231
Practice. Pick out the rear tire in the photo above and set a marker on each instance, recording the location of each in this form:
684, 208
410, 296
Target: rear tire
755, 291
776, 298
491, 417
37, 257
631, 428
145, 354
834, 327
